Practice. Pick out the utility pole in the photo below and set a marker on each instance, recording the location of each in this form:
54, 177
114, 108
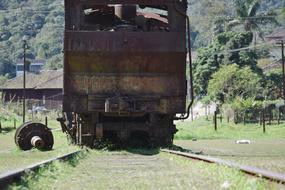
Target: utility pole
281, 42
24, 81
283, 68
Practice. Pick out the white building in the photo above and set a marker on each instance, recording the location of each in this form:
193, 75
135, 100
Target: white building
34, 66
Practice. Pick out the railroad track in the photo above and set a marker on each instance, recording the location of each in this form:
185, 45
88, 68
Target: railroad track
14, 176
269, 175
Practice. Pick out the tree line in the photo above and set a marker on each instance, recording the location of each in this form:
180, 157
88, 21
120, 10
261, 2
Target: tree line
227, 71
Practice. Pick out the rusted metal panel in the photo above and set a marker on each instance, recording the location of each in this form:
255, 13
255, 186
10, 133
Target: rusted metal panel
127, 62
124, 84
136, 64
125, 41
139, 104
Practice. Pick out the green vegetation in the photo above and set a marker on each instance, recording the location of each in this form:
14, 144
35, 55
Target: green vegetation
226, 72
204, 129
18, 159
212, 58
8, 149
250, 19
40, 22
8, 117
267, 154
48, 173
122, 170
210, 18
231, 82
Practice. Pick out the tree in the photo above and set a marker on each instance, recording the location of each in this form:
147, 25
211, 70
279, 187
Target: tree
232, 81
203, 15
3, 79
56, 62
7, 68
219, 53
43, 27
249, 17
273, 88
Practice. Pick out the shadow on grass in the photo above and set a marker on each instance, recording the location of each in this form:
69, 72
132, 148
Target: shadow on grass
154, 151
135, 149
144, 151
7, 129
75, 159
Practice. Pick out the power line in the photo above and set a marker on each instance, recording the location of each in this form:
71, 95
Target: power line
251, 47
244, 48
270, 64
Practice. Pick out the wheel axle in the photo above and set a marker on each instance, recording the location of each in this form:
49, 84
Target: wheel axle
36, 135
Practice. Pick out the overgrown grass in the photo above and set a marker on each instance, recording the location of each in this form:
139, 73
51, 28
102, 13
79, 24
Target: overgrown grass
202, 128
7, 118
121, 170
47, 173
11, 112
17, 158
228, 178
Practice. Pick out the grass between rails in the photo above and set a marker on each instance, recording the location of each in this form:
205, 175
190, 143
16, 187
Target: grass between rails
123, 170
48, 172
202, 128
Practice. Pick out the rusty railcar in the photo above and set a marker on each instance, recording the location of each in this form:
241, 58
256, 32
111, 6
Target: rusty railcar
124, 69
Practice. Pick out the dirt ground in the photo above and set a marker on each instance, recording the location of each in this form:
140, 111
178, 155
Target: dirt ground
267, 154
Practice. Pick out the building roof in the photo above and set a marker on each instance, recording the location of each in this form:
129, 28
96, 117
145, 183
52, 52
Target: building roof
32, 61
46, 79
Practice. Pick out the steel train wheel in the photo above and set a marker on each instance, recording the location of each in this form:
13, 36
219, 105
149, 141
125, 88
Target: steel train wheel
163, 130
37, 135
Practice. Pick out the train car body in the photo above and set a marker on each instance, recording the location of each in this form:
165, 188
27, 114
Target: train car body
124, 69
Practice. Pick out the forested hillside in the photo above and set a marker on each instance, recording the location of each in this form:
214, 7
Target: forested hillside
41, 23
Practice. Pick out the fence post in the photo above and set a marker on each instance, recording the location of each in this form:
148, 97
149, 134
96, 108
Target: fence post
215, 121
15, 123
46, 121
278, 117
206, 112
32, 113
263, 118
260, 117
0, 127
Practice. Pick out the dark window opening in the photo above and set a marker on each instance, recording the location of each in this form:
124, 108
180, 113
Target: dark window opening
124, 18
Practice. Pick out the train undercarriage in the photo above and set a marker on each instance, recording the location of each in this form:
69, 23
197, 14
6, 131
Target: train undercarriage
144, 130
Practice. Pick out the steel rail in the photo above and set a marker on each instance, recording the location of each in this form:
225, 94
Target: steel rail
269, 175
13, 176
